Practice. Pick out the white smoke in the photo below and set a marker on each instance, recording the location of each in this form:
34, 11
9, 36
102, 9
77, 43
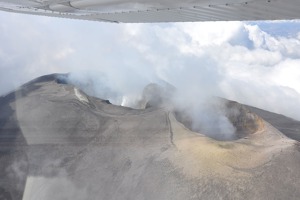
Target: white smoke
234, 60
206, 115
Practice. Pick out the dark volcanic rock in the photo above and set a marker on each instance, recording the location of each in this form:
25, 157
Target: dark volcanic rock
286, 125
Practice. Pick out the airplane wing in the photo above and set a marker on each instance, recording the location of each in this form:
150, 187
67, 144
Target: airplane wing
149, 11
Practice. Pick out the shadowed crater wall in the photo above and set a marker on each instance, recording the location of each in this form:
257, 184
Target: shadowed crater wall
243, 121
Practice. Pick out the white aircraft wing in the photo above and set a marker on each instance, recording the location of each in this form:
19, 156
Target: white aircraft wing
148, 11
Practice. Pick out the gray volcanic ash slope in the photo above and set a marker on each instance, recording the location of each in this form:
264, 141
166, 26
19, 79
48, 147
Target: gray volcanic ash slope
56, 142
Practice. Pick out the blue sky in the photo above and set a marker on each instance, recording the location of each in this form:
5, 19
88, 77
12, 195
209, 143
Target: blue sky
256, 63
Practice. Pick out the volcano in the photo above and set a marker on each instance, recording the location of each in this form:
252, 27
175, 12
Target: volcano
57, 142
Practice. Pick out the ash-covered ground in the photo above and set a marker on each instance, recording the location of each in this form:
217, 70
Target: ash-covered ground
57, 142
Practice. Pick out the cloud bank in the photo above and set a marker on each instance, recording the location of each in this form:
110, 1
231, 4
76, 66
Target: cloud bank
246, 62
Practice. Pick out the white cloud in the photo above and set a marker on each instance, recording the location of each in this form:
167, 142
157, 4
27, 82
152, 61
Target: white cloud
235, 60
211, 33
